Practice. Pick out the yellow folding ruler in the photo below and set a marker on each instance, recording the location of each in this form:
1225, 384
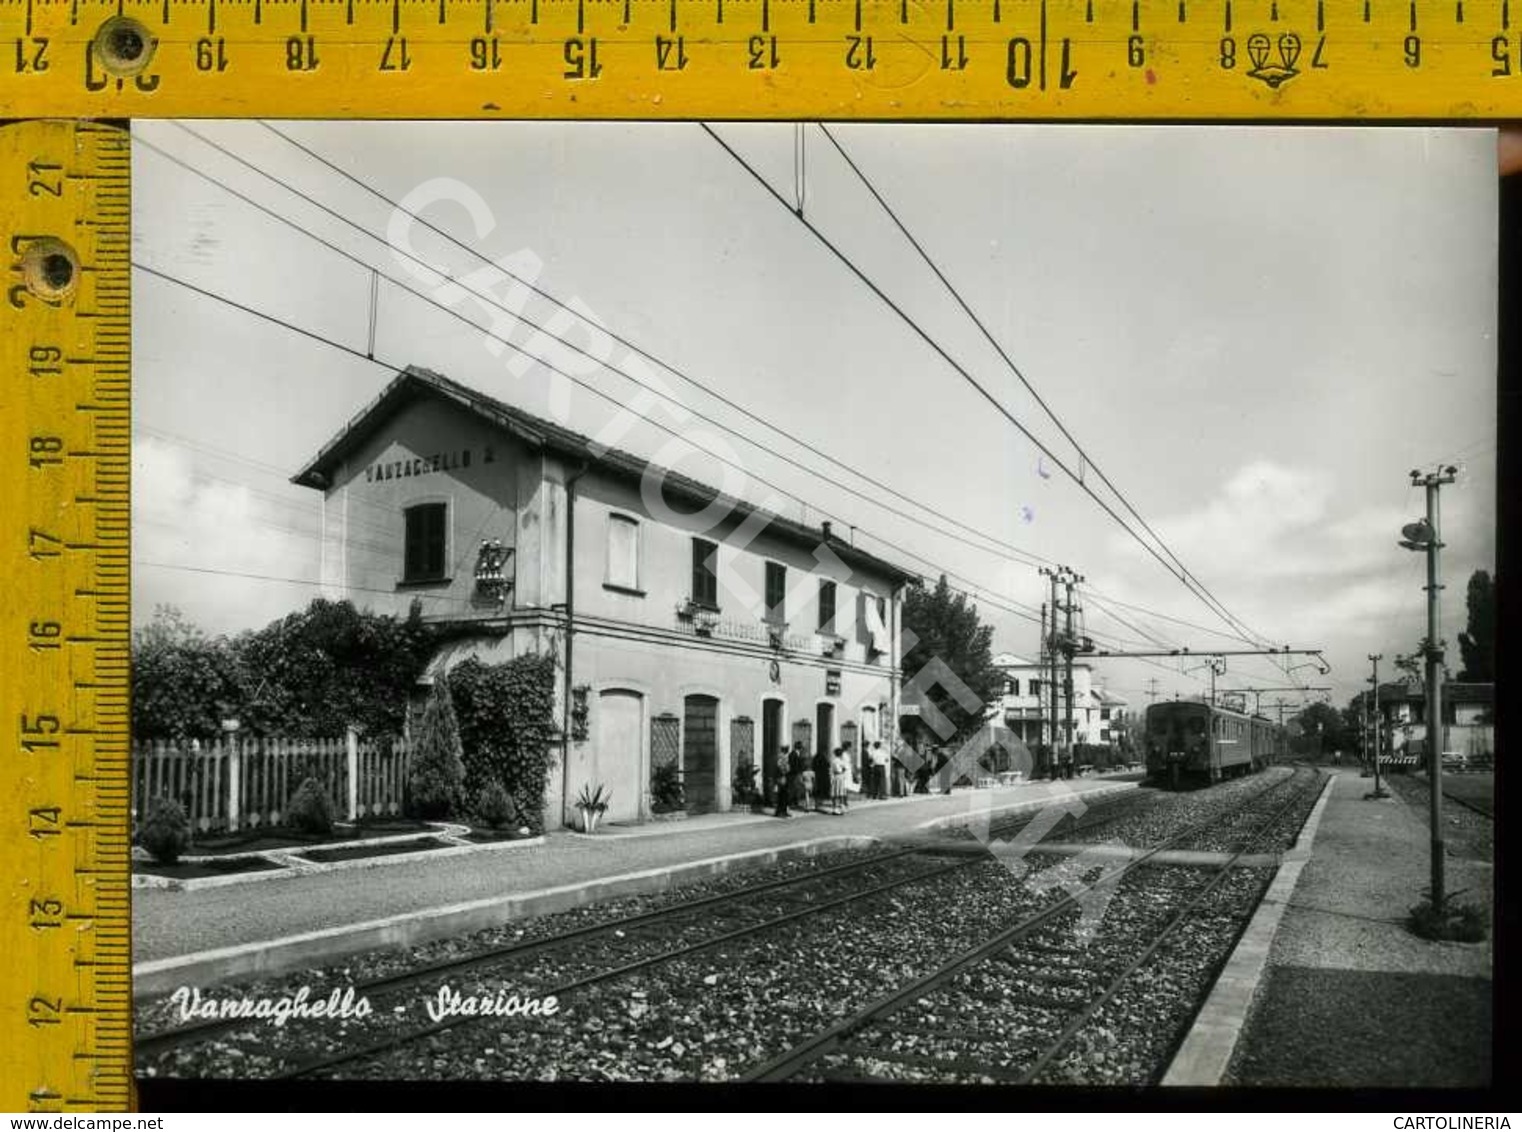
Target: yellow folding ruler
64, 388
65, 932
948, 59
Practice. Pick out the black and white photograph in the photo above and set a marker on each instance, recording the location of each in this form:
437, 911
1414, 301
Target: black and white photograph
868, 604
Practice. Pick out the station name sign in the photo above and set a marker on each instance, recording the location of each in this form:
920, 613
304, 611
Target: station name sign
425, 465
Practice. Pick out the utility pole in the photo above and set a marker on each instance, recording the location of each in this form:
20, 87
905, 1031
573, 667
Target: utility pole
1151, 689
1070, 579
1041, 667
1425, 534
1375, 658
1051, 668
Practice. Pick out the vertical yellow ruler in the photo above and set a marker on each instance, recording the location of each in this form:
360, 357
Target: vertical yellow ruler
65, 971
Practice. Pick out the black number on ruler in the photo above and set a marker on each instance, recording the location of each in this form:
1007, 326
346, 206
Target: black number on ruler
42, 821
31, 55
954, 54
763, 53
38, 543
44, 360
1136, 52
1500, 51
581, 58
43, 635
671, 54
860, 55
34, 730
1017, 63
44, 178
44, 1011
211, 54
395, 57
46, 912
301, 53
44, 451
1413, 51
485, 54
1228, 53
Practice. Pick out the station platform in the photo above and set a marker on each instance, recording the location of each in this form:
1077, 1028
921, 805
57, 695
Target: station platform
246, 930
1328, 988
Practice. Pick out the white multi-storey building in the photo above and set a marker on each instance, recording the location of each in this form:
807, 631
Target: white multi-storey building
1026, 705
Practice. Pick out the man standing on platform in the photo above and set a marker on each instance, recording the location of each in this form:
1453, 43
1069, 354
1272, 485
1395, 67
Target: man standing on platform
879, 784
784, 781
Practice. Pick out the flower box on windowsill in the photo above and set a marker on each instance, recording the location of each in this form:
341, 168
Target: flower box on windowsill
776, 633
830, 644
704, 618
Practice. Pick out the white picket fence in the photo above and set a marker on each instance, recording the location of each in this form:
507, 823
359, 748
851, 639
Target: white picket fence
245, 783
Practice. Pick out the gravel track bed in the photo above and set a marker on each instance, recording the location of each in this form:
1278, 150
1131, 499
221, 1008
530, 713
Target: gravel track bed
1149, 816
710, 1016
1003, 1012
1131, 1039
157, 1016
1260, 818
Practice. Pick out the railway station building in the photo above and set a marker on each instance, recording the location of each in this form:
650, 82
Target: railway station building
699, 631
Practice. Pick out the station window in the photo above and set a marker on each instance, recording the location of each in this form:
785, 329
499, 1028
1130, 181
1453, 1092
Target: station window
776, 592
427, 533
705, 575
826, 607
1011, 687
1035, 688
623, 552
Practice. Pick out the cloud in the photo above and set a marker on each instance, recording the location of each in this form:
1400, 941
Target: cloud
198, 536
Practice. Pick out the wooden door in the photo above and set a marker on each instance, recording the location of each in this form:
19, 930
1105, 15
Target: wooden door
700, 752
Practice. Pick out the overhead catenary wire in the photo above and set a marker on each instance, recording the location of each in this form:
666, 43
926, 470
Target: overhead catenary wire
970, 592
996, 546
1085, 461
1244, 632
800, 157
668, 367
981, 596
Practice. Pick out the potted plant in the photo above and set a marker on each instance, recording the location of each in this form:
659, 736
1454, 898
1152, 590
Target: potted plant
591, 805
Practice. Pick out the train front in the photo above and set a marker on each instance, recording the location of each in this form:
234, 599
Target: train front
1178, 741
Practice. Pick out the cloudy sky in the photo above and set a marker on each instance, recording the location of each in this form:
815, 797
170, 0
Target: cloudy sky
1254, 333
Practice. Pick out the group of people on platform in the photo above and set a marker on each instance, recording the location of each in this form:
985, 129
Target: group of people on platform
824, 782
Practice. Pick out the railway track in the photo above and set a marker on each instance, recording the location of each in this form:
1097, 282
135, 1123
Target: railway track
871, 1045
673, 919
565, 962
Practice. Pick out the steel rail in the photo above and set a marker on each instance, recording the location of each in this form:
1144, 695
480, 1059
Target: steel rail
1072, 1028
158, 1042
375, 1049
153, 1044
788, 1064
319, 1064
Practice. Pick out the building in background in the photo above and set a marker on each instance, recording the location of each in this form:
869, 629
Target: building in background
1025, 707
1468, 721
693, 646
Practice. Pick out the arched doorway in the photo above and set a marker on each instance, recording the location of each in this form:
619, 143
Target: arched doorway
700, 752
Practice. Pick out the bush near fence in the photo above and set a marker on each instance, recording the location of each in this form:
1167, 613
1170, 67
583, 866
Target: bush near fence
365, 777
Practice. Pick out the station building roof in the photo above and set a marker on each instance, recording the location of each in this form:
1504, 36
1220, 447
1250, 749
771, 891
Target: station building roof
416, 383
